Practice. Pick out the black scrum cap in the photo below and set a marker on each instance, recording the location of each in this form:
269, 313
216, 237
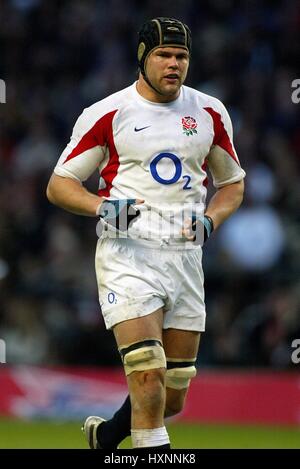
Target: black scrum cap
162, 32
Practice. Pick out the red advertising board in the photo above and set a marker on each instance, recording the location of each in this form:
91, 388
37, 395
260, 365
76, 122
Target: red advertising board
243, 397
227, 397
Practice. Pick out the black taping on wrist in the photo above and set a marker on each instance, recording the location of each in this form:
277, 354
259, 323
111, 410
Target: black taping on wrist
211, 222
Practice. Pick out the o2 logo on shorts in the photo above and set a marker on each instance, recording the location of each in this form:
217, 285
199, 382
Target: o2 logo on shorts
111, 297
178, 170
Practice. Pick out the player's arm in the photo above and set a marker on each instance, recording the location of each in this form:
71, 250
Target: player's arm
228, 179
79, 160
225, 202
72, 196
225, 168
222, 205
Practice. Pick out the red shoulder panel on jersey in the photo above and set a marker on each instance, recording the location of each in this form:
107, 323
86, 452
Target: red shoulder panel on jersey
99, 134
111, 169
221, 137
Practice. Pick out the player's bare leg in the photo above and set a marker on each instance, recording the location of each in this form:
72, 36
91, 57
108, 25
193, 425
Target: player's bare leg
146, 388
179, 345
140, 343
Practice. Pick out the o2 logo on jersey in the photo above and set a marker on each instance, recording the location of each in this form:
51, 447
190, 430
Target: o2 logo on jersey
178, 170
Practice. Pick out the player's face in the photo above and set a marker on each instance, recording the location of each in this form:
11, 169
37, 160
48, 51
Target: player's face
166, 69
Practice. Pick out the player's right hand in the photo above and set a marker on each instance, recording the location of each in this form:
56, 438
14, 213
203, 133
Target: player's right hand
119, 213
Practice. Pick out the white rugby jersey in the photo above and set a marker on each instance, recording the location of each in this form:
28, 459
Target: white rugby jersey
158, 152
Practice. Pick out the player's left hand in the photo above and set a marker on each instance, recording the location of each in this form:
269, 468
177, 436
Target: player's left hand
198, 230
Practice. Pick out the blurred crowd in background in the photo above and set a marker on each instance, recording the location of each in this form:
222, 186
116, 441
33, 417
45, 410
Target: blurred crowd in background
60, 56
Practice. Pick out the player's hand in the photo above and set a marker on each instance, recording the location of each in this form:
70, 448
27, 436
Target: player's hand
119, 213
198, 230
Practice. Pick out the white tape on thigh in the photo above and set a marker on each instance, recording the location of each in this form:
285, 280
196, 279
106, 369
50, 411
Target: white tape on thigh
144, 358
179, 378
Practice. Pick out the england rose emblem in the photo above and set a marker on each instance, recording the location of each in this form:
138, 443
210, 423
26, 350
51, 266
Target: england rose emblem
189, 125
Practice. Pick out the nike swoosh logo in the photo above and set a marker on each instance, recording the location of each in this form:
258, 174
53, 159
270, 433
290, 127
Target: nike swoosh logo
142, 128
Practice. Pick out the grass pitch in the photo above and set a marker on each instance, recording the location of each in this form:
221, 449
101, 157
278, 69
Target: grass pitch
45, 434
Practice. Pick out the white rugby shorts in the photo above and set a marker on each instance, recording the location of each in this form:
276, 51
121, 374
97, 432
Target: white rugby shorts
135, 280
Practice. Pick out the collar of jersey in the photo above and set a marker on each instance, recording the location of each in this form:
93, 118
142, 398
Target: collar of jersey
151, 103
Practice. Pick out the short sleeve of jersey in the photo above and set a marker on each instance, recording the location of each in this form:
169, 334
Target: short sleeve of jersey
83, 154
222, 160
